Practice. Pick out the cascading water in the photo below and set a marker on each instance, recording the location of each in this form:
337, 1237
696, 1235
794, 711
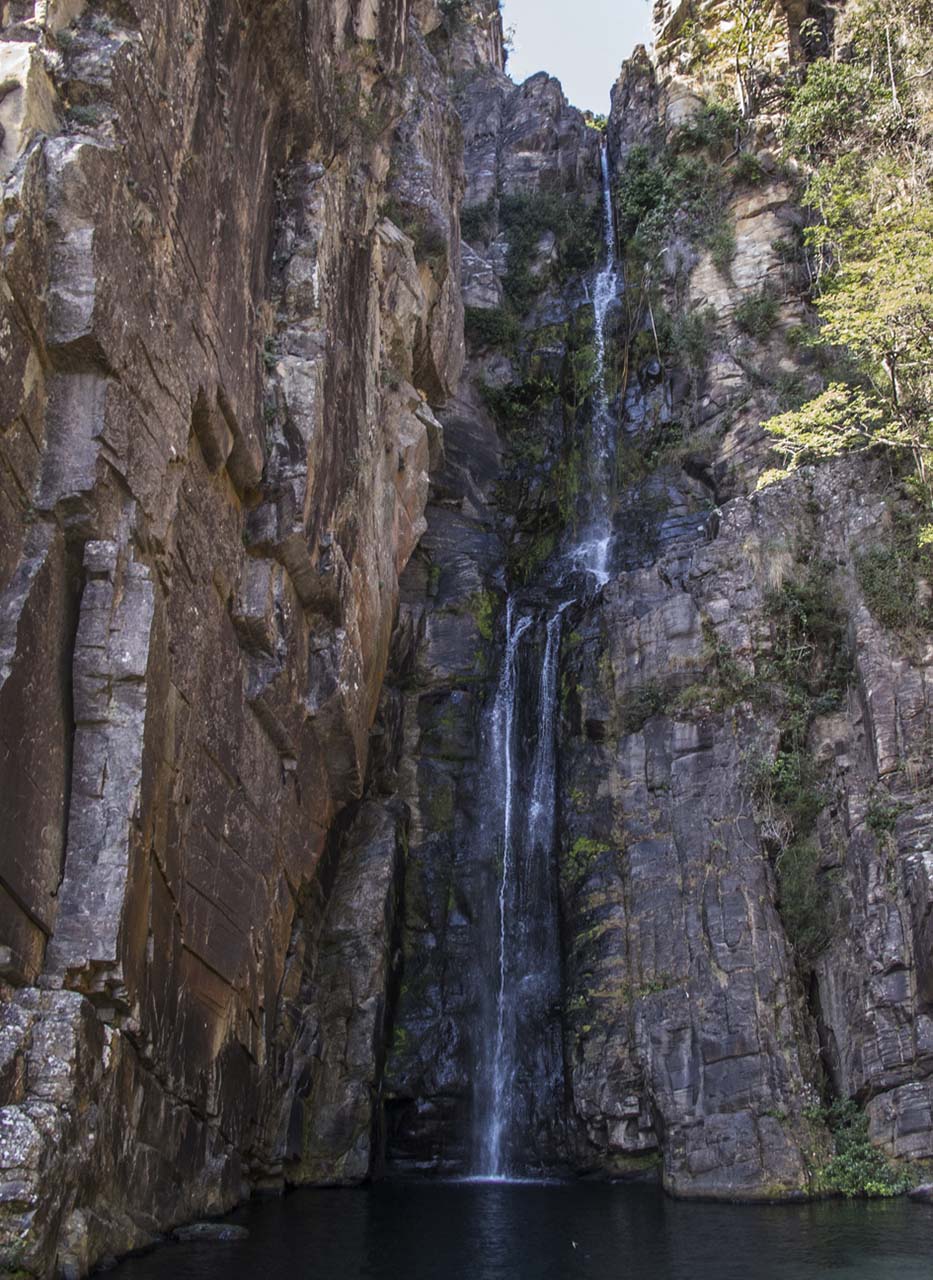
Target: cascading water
520, 1086
591, 554
541, 807
523, 1091
503, 1063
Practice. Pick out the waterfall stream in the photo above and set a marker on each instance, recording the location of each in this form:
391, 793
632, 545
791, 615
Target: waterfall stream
503, 1063
541, 807
523, 1075
591, 553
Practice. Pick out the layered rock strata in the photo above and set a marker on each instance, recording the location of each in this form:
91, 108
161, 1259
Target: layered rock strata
231, 265
260, 509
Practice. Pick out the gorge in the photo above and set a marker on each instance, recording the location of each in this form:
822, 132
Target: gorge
464, 713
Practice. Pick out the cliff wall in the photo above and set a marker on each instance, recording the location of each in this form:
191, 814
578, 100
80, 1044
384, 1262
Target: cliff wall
231, 267
299, 352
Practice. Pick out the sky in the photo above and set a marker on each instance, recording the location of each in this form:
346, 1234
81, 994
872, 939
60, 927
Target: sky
583, 43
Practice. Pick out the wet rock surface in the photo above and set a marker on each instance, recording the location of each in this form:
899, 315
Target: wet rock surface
260, 509
210, 1233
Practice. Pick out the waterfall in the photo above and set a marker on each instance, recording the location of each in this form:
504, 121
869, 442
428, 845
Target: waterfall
503, 1063
541, 807
529, 945
519, 1088
592, 553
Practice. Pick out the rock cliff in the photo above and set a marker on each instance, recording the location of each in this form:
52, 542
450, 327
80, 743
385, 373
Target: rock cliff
231, 265
298, 339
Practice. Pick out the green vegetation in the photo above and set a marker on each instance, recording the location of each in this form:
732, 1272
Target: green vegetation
517, 402
805, 902
478, 222
649, 700
859, 123
656, 185
790, 783
580, 371
490, 327
528, 216
484, 607
805, 675
882, 813
757, 314
578, 859
890, 574
736, 55
691, 335
715, 126
838, 420
684, 188
857, 1170
429, 242
810, 658
748, 169
545, 437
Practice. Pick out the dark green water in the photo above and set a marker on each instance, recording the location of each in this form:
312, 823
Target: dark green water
417, 1231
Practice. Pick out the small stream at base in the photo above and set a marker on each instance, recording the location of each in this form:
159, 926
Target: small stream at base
446, 1231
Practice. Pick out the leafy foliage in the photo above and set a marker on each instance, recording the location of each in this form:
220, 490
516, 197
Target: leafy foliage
648, 700
526, 217
860, 121
715, 125
804, 900
889, 575
805, 675
838, 420
882, 813
658, 187
577, 860
857, 1170
757, 314
478, 222
517, 402
490, 327
823, 108
662, 193
429, 242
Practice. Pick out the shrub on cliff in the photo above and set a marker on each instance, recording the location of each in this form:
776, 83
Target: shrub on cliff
487, 327
526, 218
857, 1170
860, 123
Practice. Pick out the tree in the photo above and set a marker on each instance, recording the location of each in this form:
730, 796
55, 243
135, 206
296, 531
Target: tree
861, 125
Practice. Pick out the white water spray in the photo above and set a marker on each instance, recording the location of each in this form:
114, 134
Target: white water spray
504, 738
529, 953
592, 553
541, 808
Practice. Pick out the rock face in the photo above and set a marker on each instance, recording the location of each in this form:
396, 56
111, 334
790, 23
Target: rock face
521, 143
231, 265
260, 509
707, 1003
710, 1001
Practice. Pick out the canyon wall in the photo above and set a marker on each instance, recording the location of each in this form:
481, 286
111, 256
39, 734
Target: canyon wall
278, 438
231, 264
745, 808
743, 799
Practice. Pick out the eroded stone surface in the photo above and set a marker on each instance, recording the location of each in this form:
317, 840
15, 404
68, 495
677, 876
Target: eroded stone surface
246, 469
219, 353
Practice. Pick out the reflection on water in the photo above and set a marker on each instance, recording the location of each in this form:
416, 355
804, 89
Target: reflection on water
496, 1231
